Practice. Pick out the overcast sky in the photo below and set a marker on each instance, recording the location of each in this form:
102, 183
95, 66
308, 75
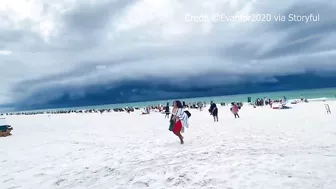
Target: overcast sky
70, 43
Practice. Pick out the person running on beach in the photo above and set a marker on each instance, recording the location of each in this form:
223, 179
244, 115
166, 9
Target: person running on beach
167, 111
234, 110
179, 119
214, 111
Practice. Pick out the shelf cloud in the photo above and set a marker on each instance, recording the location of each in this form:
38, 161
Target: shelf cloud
52, 48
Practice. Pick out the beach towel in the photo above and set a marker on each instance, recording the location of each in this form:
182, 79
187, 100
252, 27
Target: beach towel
183, 117
177, 127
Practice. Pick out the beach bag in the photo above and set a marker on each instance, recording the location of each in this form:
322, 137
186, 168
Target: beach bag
188, 113
171, 124
3, 128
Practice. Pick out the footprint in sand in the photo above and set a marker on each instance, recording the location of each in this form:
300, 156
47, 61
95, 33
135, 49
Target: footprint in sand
179, 182
14, 187
140, 184
203, 183
59, 182
39, 175
170, 179
7, 180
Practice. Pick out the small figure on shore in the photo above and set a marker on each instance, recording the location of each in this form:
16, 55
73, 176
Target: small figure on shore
234, 110
167, 111
200, 106
214, 111
184, 104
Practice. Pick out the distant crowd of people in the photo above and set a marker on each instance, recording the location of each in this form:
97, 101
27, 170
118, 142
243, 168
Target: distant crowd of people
107, 110
161, 108
145, 110
268, 102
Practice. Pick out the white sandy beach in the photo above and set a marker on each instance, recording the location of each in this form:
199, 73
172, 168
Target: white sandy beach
264, 149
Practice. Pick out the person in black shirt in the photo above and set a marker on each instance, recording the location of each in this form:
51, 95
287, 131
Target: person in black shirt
167, 111
214, 111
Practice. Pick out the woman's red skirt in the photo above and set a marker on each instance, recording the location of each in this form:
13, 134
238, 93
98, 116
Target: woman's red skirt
177, 127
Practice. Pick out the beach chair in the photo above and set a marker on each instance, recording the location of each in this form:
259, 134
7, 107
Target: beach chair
5, 130
327, 107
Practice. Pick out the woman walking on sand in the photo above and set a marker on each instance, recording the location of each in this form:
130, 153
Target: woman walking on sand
234, 110
214, 111
179, 120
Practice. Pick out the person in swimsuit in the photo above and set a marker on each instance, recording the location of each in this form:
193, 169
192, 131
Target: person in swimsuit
177, 116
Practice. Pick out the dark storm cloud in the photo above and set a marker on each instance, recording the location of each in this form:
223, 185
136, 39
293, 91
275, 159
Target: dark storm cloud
65, 51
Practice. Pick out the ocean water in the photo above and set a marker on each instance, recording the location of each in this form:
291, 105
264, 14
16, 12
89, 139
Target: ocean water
313, 94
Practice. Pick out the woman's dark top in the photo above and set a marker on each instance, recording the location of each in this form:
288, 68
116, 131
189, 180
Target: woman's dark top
167, 110
213, 109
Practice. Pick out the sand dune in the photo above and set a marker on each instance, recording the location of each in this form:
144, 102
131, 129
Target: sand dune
264, 149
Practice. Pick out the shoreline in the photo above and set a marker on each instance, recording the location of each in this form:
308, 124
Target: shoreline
317, 93
238, 96
97, 110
